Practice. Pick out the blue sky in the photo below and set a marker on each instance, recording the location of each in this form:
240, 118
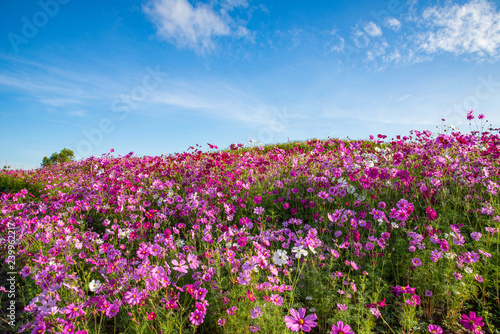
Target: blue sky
157, 76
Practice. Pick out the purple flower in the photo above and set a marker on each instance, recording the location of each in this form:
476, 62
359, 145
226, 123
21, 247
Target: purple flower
471, 321
298, 322
254, 328
26, 271
416, 262
402, 289
475, 235
201, 293
39, 329
341, 328
112, 310
256, 312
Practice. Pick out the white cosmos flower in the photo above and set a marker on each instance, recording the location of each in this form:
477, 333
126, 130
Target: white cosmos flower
299, 252
280, 257
450, 256
94, 285
312, 249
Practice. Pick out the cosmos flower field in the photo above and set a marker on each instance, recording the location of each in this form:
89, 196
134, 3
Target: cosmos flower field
322, 236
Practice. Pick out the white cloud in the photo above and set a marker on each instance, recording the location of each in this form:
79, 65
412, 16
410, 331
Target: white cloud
231, 4
470, 30
473, 28
372, 29
194, 27
404, 97
338, 46
211, 97
393, 23
78, 113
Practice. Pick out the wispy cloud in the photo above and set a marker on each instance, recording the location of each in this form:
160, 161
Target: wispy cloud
213, 98
373, 29
195, 26
69, 91
473, 28
393, 23
470, 30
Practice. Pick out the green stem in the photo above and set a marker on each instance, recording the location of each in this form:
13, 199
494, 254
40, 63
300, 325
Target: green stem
385, 322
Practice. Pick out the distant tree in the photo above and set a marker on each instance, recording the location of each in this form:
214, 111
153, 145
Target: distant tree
65, 155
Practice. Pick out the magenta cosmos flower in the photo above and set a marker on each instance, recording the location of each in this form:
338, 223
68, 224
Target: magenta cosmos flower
297, 321
435, 329
341, 328
471, 321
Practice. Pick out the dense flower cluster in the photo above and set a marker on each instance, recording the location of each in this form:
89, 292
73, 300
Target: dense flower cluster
204, 239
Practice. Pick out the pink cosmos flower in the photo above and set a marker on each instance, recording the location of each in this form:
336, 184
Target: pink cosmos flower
179, 266
277, 300
298, 321
251, 296
73, 311
435, 329
469, 115
193, 261
431, 213
133, 296
375, 312
196, 317
341, 328
341, 307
